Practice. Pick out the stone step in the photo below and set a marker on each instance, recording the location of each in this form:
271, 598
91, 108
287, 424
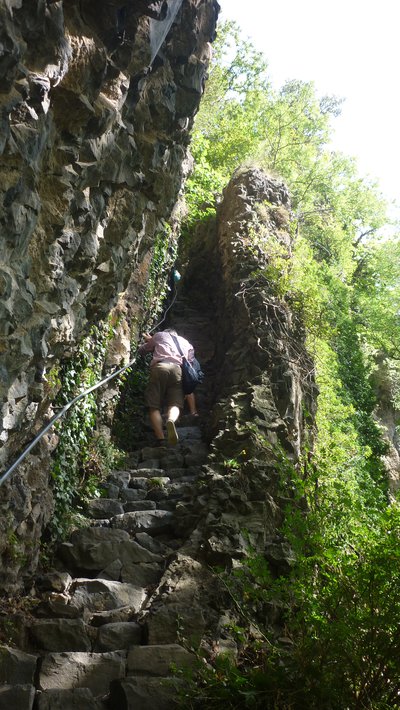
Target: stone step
17, 697
151, 521
158, 660
104, 508
17, 667
61, 699
87, 596
93, 549
141, 693
62, 635
70, 670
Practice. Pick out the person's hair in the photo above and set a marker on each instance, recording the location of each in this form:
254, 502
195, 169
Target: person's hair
171, 331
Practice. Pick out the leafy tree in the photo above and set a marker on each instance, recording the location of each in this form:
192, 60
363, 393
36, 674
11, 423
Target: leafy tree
344, 279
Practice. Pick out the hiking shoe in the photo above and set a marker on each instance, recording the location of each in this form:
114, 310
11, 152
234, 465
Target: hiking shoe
171, 432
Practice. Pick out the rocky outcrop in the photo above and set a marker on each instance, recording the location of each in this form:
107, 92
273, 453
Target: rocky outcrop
385, 384
97, 101
261, 400
134, 595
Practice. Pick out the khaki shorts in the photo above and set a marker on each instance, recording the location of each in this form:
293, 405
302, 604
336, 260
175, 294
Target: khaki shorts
165, 386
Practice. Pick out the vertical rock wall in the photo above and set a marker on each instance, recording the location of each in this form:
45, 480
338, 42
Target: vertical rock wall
97, 101
263, 400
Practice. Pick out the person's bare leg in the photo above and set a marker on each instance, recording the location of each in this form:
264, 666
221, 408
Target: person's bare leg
172, 415
156, 423
190, 398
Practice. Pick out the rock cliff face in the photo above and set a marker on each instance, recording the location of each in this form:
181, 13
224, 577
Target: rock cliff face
138, 588
97, 101
261, 401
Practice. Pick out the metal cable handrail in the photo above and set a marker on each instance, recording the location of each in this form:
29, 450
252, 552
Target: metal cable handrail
70, 404
58, 416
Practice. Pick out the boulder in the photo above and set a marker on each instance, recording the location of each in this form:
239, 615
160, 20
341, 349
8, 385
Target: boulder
152, 521
17, 697
101, 508
61, 635
145, 693
159, 660
75, 699
119, 635
91, 595
142, 575
17, 667
65, 671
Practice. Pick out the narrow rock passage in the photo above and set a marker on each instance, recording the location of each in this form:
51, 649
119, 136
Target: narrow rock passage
139, 586
89, 646
92, 627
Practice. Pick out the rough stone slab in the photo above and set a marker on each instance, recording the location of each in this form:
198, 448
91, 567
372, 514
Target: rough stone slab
149, 472
103, 594
177, 472
17, 697
88, 544
149, 453
189, 433
54, 581
150, 463
61, 635
128, 494
134, 552
172, 458
192, 602
138, 482
157, 494
112, 571
142, 575
76, 699
155, 521
162, 625
157, 482
167, 504
96, 556
145, 693
101, 508
119, 478
112, 490
94, 536
120, 635
158, 660
112, 616
149, 543
65, 671
16, 667
135, 505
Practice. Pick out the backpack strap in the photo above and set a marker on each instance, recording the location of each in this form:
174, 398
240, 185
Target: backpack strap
176, 341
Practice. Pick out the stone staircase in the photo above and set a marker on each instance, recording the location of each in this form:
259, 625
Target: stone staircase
88, 645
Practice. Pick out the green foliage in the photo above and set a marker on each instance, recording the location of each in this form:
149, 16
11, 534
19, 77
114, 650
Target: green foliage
130, 414
243, 120
341, 644
164, 255
81, 459
338, 602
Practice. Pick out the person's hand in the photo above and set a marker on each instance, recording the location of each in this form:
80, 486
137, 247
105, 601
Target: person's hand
147, 337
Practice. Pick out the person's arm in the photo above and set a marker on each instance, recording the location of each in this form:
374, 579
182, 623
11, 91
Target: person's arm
147, 346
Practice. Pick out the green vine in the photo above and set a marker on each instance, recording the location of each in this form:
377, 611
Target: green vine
73, 469
164, 256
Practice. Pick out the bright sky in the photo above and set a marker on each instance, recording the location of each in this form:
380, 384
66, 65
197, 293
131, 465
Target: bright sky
349, 48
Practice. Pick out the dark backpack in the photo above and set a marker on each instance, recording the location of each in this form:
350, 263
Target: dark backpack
192, 374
